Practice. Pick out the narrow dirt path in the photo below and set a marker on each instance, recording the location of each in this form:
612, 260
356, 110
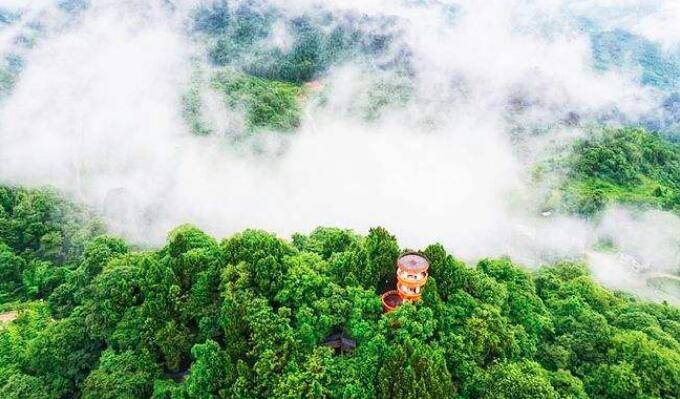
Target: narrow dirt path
7, 317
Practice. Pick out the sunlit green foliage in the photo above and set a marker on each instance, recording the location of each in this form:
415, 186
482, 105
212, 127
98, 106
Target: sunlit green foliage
266, 103
125, 375
625, 165
246, 318
42, 237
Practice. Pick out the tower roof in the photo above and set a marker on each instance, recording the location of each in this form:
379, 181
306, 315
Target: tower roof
413, 263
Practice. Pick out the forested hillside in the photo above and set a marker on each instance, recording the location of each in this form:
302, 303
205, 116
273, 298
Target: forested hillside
545, 130
246, 317
628, 166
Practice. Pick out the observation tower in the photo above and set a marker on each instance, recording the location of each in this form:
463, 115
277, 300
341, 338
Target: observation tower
411, 276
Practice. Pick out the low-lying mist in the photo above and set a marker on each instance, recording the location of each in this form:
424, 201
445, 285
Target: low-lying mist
96, 111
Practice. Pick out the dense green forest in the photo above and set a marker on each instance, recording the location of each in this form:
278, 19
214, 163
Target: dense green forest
614, 165
246, 317
266, 104
266, 81
87, 315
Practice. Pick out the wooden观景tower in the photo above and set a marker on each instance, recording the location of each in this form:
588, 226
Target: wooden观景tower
411, 277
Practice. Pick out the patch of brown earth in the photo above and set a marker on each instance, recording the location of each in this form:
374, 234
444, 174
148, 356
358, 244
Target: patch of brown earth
7, 317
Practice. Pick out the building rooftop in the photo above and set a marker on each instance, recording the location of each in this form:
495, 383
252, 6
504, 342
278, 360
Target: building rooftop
413, 263
340, 342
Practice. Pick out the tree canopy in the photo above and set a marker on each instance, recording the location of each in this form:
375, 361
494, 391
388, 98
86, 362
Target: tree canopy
246, 317
627, 165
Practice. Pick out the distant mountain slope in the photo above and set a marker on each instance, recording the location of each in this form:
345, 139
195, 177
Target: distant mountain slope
630, 166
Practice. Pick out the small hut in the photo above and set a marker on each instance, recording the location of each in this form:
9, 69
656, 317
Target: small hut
340, 342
